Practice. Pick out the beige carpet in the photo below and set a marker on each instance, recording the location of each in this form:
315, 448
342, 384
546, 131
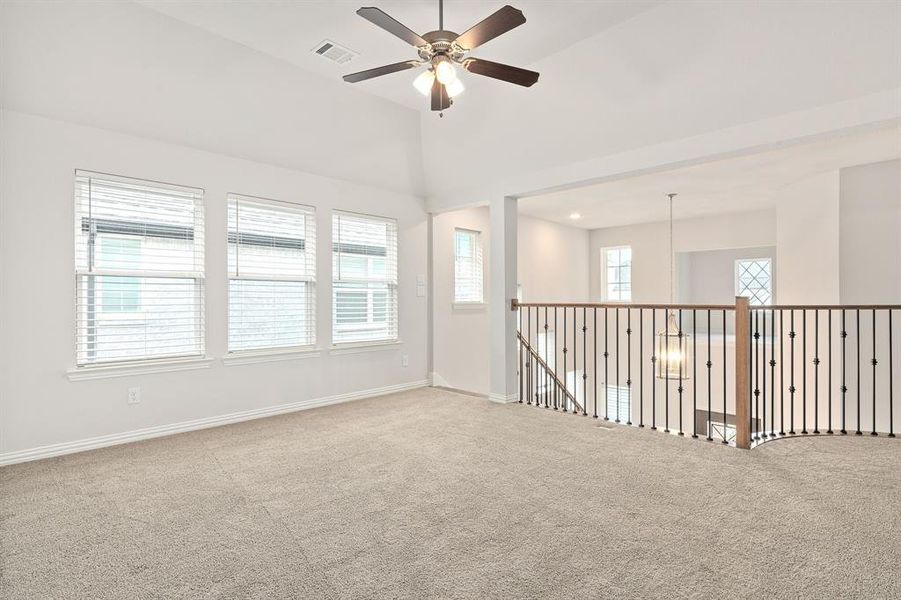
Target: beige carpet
432, 494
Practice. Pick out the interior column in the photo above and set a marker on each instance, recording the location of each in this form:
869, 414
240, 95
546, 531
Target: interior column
502, 290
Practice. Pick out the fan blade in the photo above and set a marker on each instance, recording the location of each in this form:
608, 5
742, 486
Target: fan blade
440, 99
391, 25
379, 71
495, 70
500, 22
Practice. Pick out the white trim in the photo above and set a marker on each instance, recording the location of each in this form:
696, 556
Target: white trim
470, 305
501, 399
8, 458
358, 347
137, 368
251, 357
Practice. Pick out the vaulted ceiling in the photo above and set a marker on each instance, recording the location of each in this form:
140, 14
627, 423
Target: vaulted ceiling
624, 85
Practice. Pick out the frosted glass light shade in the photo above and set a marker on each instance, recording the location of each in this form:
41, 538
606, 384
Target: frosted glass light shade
454, 88
445, 72
423, 83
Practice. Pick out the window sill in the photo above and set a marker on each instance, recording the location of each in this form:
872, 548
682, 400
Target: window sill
143, 368
356, 348
469, 305
264, 356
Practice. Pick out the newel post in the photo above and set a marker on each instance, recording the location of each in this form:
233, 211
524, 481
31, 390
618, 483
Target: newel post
742, 363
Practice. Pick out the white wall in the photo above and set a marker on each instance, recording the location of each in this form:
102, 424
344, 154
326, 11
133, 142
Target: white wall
870, 233
807, 237
552, 263
124, 67
40, 406
681, 81
651, 252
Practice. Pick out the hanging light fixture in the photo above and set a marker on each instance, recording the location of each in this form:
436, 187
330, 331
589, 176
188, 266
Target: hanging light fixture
673, 345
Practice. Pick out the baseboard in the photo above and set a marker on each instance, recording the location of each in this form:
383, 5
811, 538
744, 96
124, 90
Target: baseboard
19, 456
501, 399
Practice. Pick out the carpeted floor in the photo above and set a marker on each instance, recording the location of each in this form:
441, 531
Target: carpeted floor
432, 494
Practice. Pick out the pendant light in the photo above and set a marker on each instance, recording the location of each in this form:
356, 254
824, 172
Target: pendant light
673, 345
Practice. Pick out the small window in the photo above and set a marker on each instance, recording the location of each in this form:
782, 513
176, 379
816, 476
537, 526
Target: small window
271, 274
754, 280
364, 271
139, 270
619, 402
467, 266
616, 274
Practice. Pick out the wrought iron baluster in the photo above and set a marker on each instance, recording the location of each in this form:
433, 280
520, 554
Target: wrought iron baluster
804, 374
773, 374
874, 362
595, 354
791, 390
710, 379
891, 368
681, 369
616, 367
829, 370
584, 361
761, 421
725, 382
816, 371
781, 372
606, 366
629, 363
519, 344
694, 372
653, 374
641, 367
844, 390
858, 432
755, 417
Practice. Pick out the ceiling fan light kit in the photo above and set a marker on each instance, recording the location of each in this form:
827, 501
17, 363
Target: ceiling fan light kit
441, 50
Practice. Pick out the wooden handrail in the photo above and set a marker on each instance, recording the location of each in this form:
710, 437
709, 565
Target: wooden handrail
517, 304
827, 307
549, 371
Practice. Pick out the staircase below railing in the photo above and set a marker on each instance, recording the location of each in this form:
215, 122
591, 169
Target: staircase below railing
733, 374
542, 383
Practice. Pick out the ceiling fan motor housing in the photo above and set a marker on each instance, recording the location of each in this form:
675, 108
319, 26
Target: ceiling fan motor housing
441, 42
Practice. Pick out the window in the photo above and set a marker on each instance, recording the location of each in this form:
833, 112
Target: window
138, 270
467, 266
364, 270
616, 274
271, 274
718, 430
619, 403
754, 279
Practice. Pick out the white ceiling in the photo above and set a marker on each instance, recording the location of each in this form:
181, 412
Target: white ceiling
725, 186
290, 30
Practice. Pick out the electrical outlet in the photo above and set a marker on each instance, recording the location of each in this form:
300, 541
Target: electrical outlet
134, 395
405, 360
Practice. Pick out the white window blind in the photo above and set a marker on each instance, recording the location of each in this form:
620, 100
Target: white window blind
138, 269
364, 251
616, 274
467, 266
272, 274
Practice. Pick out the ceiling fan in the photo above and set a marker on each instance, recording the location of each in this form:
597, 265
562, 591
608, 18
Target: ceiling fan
442, 49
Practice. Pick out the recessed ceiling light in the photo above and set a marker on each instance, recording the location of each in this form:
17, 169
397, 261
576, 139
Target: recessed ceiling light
575, 216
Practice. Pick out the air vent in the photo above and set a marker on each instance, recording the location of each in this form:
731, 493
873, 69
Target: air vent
334, 52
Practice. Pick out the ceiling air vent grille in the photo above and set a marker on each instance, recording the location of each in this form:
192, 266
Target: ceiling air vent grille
334, 52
